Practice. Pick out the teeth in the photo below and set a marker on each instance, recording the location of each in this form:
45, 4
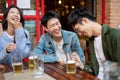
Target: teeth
12, 18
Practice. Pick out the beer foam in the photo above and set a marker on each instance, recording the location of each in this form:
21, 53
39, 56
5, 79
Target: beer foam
35, 57
70, 61
31, 57
19, 63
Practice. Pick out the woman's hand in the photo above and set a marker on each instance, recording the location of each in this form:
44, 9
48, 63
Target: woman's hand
10, 47
17, 25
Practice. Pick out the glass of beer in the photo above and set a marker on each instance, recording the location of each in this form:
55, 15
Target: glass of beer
33, 62
17, 63
70, 64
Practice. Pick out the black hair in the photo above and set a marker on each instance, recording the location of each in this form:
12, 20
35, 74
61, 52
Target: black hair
4, 21
47, 16
76, 16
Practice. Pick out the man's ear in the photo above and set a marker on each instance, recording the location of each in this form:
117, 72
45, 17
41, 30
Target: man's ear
85, 20
45, 29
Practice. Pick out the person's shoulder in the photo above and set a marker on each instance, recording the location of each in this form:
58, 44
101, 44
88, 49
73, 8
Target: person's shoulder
110, 29
114, 32
69, 32
26, 30
4, 34
45, 36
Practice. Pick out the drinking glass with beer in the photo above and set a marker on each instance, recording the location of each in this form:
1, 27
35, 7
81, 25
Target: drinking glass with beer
33, 62
17, 63
70, 64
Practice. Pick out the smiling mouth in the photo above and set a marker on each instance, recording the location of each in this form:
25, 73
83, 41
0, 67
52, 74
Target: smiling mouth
56, 32
14, 18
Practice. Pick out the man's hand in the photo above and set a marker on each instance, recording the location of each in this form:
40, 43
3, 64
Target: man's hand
77, 59
61, 61
10, 47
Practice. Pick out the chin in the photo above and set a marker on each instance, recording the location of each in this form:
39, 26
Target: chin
58, 35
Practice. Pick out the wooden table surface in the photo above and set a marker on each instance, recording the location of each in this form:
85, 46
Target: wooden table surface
58, 72
26, 75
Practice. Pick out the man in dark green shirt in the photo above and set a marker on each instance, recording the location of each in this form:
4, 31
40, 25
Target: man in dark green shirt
104, 42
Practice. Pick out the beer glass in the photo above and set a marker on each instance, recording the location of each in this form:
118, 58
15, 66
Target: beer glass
39, 70
70, 64
33, 60
17, 63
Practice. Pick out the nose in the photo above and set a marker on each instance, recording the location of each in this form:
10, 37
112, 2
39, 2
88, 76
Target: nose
56, 26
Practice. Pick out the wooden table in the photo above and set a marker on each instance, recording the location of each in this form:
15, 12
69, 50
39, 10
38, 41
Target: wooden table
58, 72
26, 75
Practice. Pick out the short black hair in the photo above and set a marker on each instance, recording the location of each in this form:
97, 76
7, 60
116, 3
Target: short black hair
76, 16
4, 21
47, 16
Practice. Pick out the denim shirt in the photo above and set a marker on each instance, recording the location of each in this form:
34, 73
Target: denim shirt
23, 45
46, 46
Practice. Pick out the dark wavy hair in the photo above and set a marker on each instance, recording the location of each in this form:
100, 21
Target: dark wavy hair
47, 16
76, 16
4, 21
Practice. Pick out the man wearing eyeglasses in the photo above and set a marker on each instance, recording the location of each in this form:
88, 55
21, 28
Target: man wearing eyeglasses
56, 43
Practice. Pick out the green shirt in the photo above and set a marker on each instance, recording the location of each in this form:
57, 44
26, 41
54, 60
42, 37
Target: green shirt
111, 49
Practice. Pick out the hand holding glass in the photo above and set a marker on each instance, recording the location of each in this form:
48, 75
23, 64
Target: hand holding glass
70, 64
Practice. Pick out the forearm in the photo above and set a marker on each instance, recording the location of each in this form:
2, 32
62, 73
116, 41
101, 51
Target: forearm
22, 42
50, 58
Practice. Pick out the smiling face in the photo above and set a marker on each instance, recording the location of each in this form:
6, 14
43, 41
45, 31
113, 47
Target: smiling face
84, 29
54, 27
13, 16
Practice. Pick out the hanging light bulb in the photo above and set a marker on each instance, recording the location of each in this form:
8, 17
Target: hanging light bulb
73, 7
59, 2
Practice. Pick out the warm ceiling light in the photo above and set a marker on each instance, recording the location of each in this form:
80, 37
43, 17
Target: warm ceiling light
82, 3
66, 6
73, 7
59, 2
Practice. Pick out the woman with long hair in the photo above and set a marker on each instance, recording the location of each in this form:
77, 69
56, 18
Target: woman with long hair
14, 39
